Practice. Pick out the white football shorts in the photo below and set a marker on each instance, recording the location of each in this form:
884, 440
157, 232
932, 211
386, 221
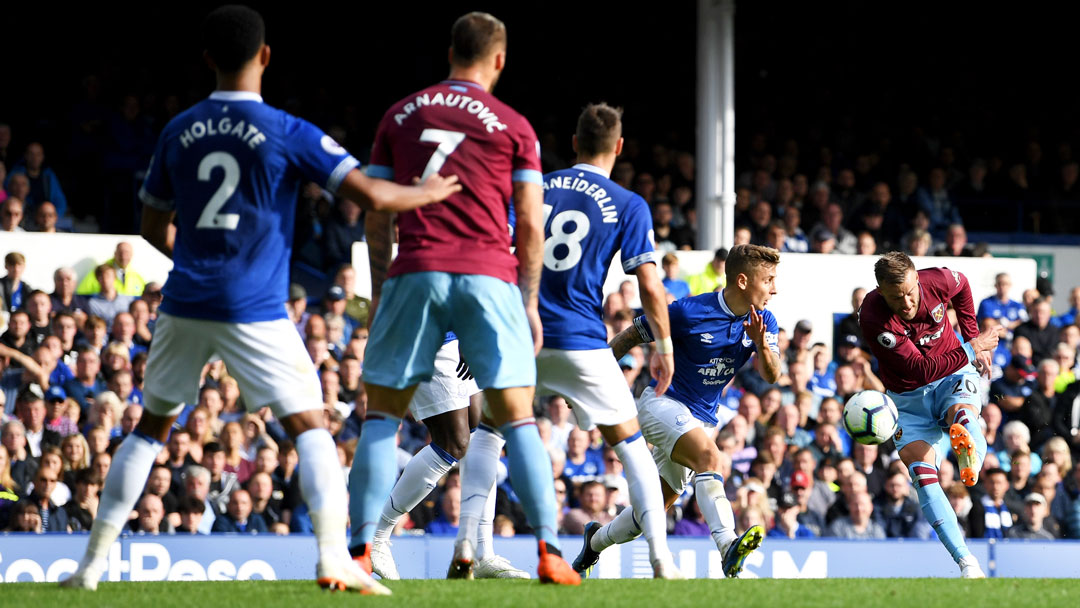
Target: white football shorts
445, 392
592, 383
663, 420
267, 358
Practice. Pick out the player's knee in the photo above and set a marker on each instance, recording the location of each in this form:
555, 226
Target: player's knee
455, 444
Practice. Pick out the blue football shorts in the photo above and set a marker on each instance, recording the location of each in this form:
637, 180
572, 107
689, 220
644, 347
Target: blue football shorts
923, 410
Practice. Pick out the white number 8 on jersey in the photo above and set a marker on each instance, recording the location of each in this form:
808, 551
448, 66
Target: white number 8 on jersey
559, 236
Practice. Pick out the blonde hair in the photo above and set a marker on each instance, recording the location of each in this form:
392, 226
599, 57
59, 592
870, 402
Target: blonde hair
83, 462
110, 400
5, 474
1059, 445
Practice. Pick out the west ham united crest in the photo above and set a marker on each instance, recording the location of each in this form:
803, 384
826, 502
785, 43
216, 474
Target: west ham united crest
899, 434
938, 313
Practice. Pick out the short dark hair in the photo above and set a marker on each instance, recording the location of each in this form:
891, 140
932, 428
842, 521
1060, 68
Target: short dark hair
232, 35
190, 504
598, 129
212, 447
88, 476
474, 36
892, 268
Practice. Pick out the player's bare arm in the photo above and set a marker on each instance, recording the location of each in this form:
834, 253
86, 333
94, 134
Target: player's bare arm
654, 301
529, 233
158, 230
379, 232
625, 340
768, 363
984, 346
28, 363
383, 195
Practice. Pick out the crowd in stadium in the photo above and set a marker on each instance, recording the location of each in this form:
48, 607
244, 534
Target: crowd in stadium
72, 357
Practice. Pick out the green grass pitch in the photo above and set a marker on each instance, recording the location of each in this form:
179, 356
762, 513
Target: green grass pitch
893, 593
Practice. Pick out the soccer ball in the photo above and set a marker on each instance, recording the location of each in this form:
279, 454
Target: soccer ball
870, 417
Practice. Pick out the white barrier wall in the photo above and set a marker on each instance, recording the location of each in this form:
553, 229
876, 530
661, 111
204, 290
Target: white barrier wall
83, 252
1060, 261
812, 286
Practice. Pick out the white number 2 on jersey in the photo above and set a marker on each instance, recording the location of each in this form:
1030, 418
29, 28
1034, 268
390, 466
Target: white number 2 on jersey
210, 217
448, 142
559, 236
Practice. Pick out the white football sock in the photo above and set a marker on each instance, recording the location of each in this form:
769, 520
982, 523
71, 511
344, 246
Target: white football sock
623, 529
485, 547
323, 489
479, 470
417, 480
646, 496
123, 487
714, 506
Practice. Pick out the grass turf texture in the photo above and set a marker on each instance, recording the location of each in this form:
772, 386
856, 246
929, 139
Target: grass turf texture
596, 593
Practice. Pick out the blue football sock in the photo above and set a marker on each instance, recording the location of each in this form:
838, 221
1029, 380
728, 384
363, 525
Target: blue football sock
937, 510
530, 472
374, 469
970, 421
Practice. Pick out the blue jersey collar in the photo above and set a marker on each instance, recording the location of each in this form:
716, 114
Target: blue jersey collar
236, 96
592, 169
467, 83
724, 306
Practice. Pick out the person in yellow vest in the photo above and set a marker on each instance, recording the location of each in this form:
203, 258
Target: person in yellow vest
128, 281
712, 277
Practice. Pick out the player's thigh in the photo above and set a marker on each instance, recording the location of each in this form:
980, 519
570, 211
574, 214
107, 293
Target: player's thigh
271, 366
916, 417
489, 319
181, 348
663, 422
590, 381
959, 389
410, 326
445, 392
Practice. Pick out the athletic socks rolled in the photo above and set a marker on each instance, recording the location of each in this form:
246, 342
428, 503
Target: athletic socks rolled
419, 478
937, 510
646, 497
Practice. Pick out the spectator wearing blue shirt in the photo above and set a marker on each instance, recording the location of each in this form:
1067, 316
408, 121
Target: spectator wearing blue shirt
582, 464
237, 516
1069, 317
787, 520
446, 524
674, 286
1015, 384
1009, 313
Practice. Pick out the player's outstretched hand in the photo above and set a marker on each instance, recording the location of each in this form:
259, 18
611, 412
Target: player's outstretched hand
438, 187
987, 340
984, 362
662, 368
755, 326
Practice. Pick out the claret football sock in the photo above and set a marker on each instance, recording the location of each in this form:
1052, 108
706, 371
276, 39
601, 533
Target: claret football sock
646, 497
123, 487
417, 480
323, 489
714, 506
970, 421
479, 470
937, 510
530, 472
372, 476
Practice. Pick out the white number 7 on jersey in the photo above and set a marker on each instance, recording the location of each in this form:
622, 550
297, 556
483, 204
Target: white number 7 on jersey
448, 142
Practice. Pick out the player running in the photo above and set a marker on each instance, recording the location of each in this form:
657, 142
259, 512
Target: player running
929, 374
454, 272
229, 171
714, 335
588, 218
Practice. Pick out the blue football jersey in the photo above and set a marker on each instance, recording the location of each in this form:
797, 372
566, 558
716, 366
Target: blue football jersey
587, 218
710, 346
231, 168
